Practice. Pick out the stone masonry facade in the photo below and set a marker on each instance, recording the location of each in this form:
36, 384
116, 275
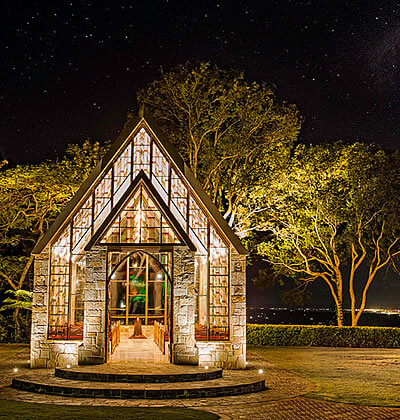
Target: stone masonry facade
184, 351
50, 353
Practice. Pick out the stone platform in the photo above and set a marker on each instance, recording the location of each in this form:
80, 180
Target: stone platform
146, 381
145, 373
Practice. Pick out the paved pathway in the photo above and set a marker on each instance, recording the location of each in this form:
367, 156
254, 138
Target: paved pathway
283, 399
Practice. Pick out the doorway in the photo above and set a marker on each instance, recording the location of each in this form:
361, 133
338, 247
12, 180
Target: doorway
139, 296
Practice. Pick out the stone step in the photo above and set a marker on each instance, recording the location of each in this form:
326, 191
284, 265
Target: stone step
137, 375
197, 389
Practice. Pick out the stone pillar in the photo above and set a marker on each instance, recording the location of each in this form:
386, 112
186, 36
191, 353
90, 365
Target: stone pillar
184, 303
238, 309
92, 350
40, 355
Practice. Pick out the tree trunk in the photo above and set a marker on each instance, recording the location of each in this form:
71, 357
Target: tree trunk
17, 329
339, 312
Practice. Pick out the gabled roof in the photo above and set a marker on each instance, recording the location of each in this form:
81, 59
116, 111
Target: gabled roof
105, 163
141, 177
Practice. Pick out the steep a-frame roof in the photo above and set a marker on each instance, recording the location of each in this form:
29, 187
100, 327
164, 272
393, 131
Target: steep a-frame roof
105, 163
141, 178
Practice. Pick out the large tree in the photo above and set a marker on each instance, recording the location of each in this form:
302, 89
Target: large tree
224, 126
331, 210
31, 196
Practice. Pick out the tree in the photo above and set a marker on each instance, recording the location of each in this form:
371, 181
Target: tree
223, 126
331, 210
31, 196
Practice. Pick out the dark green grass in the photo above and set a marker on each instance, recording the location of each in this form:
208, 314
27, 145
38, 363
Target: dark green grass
349, 375
21, 410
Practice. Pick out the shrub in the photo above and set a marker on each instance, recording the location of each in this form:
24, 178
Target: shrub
322, 336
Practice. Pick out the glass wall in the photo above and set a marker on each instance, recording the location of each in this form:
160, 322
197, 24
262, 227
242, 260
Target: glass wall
139, 287
141, 222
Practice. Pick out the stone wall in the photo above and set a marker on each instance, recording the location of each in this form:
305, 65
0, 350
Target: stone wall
47, 353
92, 350
184, 350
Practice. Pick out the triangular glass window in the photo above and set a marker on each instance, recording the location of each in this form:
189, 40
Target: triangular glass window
141, 221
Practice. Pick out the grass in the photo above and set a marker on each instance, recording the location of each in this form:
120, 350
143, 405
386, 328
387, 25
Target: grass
357, 376
22, 410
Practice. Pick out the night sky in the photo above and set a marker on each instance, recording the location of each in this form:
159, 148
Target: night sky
70, 70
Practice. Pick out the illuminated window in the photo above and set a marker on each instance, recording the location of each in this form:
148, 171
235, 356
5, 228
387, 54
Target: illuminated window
122, 173
160, 171
66, 293
59, 285
219, 288
179, 199
198, 225
212, 289
141, 221
76, 316
141, 153
139, 287
81, 226
102, 200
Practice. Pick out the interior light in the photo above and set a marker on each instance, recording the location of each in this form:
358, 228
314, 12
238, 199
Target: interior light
68, 366
15, 370
205, 367
260, 371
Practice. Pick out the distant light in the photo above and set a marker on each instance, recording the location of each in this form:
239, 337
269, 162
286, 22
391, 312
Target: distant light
206, 367
68, 366
159, 276
29, 362
247, 362
15, 370
260, 371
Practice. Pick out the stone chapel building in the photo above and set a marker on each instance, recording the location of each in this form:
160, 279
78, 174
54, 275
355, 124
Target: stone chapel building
139, 241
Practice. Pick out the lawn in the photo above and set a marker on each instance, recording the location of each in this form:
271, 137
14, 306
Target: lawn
22, 410
358, 376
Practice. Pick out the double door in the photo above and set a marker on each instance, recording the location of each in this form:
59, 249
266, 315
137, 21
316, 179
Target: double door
138, 287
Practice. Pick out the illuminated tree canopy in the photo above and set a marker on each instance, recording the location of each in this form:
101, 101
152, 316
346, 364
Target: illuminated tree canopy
31, 198
223, 125
330, 211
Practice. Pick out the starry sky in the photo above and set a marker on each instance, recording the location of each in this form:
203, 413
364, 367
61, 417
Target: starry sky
70, 70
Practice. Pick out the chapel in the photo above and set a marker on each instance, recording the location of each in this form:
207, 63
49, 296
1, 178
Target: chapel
140, 254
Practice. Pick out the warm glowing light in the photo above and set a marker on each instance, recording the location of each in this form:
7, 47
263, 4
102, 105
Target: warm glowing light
260, 371
15, 370
68, 366
206, 367
247, 362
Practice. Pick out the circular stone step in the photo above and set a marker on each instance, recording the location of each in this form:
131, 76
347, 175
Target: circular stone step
218, 388
108, 374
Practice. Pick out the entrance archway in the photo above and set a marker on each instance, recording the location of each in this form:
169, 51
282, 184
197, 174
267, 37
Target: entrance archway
139, 286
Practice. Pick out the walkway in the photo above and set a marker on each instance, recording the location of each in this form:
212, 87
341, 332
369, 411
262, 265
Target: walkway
137, 349
283, 399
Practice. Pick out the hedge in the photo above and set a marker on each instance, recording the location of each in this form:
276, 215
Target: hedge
322, 336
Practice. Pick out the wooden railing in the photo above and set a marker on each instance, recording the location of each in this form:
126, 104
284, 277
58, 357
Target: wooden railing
160, 335
115, 335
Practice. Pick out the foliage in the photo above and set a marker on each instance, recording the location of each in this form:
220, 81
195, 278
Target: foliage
21, 299
31, 196
332, 206
225, 127
322, 336
3, 329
